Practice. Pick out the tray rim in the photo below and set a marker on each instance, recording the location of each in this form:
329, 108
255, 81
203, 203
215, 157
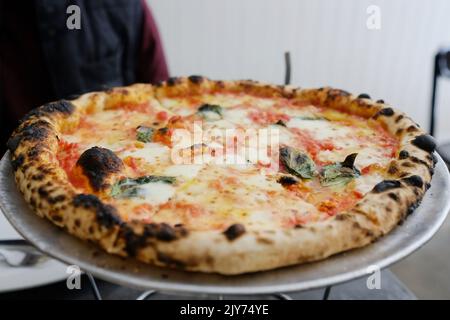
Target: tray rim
161, 285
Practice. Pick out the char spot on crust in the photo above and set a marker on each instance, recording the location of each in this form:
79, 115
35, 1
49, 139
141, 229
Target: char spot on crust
17, 162
412, 128
415, 181
424, 142
234, 231
399, 117
173, 81
196, 79
380, 101
169, 261
393, 169
106, 214
97, 164
403, 155
287, 181
393, 196
386, 185
263, 240
165, 232
334, 94
58, 198
363, 96
387, 112
36, 131
57, 107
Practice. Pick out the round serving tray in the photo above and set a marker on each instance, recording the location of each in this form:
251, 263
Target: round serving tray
418, 228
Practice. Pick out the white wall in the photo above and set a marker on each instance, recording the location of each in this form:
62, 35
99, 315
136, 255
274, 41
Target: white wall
329, 42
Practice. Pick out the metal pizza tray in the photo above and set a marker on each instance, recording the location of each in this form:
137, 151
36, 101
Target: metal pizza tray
403, 240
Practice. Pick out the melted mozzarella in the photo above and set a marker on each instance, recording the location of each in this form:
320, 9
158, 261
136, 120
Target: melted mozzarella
320, 129
366, 183
259, 181
151, 153
237, 116
155, 193
188, 171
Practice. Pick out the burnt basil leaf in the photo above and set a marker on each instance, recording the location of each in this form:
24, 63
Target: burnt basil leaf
129, 187
297, 163
281, 123
144, 134
340, 173
210, 112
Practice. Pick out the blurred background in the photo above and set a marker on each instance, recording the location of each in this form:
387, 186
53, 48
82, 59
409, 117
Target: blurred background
329, 42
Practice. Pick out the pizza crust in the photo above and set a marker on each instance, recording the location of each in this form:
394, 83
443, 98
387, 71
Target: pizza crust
44, 184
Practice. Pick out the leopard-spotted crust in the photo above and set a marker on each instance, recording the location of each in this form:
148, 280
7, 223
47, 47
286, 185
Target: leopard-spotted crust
44, 184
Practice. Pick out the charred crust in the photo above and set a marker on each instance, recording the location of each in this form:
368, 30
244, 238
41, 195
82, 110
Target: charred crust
363, 96
393, 196
13, 142
195, 79
380, 101
412, 128
286, 181
62, 107
172, 81
36, 131
393, 169
386, 185
366, 232
425, 142
387, 112
403, 155
97, 164
55, 200
419, 161
264, 240
169, 261
17, 162
165, 232
34, 152
342, 217
415, 181
133, 241
399, 117
234, 231
160, 231
334, 94
413, 207
106, 215
434, 158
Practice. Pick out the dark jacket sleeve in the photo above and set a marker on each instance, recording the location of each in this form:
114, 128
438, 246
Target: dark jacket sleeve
152, 66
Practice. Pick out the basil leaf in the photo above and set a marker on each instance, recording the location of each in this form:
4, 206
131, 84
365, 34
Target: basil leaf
211, 112
129, 187
340, 173
144, 134
297, 163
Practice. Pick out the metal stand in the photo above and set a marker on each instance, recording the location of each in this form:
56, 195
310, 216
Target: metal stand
147, 294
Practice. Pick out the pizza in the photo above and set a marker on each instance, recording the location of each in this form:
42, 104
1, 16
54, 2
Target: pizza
125, 169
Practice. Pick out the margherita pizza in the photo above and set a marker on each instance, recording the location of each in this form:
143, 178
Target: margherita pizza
182, 175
